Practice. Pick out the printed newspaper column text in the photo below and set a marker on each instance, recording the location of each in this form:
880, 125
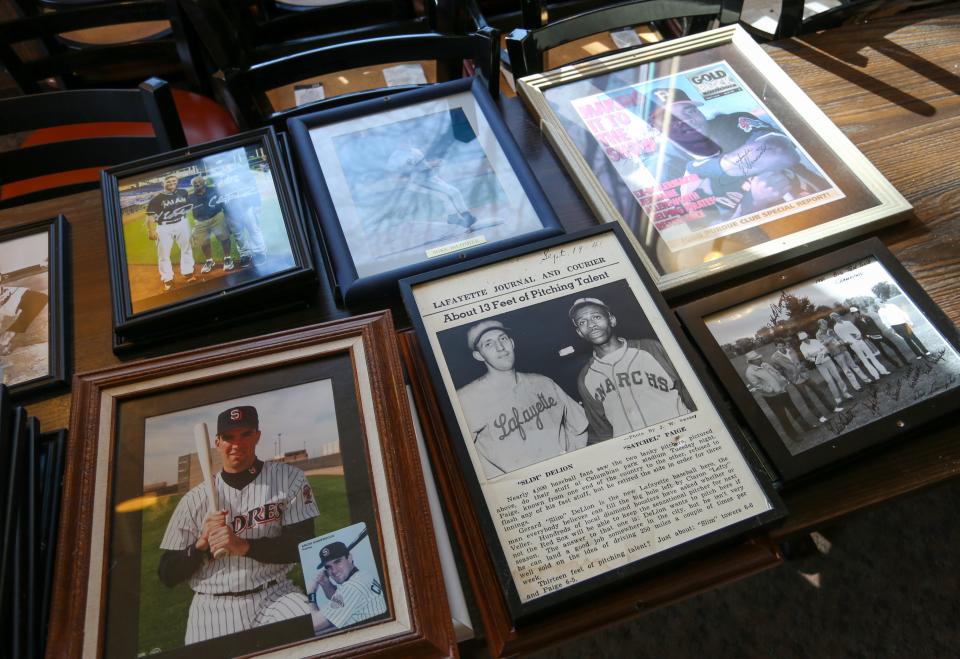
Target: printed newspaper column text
574, 520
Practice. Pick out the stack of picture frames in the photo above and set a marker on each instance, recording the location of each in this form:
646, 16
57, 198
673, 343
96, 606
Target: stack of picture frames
32, 468
306, 437
203, 237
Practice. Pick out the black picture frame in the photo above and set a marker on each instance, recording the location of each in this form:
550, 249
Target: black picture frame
59, 353
524, 612
898, 423
210, 304
350, 285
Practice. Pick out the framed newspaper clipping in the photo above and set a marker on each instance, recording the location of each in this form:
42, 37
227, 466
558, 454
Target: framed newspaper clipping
711, 157
832, 356
591, 448
262, 497
415, 181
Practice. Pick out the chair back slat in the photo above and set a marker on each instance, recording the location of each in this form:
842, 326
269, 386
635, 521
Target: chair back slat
39, 56
64, 129
246, 90
526, 47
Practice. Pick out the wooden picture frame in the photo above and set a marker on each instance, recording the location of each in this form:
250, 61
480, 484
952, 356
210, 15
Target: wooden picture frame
766, 176
232, 210
885, 379
376, 172
116, 410
459, 306
35, 351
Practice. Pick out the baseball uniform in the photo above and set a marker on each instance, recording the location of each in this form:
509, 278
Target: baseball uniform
513, 427
235, 593
207, 221
358, 598
169, 211
633, 387
411, 163
240, 195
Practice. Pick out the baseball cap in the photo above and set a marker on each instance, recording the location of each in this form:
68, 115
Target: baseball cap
332, 552
243, 416
579, 302
661, 99
854, 309
753, 354
481, 328
834, 315
802, 335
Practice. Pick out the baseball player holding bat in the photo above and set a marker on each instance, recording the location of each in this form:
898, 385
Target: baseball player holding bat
628, 384
263, 510
343, 594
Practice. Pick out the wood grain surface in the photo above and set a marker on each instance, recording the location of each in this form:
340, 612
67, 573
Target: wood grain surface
892, 86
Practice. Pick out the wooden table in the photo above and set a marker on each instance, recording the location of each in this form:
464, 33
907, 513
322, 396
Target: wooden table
891, 85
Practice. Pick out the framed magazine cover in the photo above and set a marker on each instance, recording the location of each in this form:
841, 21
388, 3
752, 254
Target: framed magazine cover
591, 449
710, 156
201, 234
411, 182
830, 357
304, 439
35, 354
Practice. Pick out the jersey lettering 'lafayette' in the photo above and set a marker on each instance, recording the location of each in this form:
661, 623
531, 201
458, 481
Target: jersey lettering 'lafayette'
515, 421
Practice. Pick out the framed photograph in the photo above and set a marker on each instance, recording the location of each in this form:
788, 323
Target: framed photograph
34, 345
202, 232
831, 356
412, 182
592, 449
709, 155
258, 498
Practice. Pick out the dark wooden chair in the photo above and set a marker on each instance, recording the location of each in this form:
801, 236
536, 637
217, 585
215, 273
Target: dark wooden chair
233, 38
39, 58
526, 47
120, 125
792, 22
245, 91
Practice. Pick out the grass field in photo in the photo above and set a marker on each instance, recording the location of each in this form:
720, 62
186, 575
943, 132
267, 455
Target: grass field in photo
163, 610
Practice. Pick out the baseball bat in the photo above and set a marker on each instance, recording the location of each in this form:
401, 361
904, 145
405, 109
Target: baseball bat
363, 534
202, 438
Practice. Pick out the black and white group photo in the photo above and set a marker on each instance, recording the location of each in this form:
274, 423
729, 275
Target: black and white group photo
529, 394
833, 354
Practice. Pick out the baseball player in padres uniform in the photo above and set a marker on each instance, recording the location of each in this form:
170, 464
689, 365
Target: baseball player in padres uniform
267, 509
515, 419
627, 384
167, 224
343, 594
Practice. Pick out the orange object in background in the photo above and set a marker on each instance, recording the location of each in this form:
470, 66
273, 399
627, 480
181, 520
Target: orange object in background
203, 120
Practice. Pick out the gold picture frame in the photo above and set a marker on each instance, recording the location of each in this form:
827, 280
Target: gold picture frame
764, 175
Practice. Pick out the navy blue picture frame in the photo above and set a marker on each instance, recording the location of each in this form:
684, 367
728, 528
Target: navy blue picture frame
351, 287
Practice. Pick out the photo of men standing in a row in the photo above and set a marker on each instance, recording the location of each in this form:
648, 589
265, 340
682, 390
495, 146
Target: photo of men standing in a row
203, 225
827, 357
529, 395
